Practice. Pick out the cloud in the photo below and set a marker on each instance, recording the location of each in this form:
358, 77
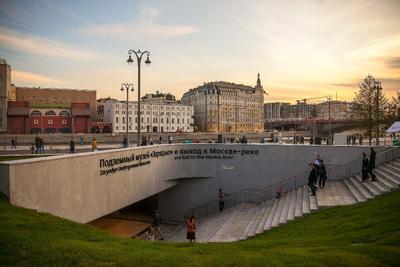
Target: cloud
28, 77
145, 26
393, 62
40, 46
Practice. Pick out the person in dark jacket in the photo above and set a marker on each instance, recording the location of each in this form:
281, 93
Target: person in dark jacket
322, 174
365, 167
372, 156
312, 178
72, 147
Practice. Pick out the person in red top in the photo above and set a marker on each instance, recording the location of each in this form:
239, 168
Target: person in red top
191, 229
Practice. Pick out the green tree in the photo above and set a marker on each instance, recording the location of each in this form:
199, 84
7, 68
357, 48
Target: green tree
392, 111
368, 108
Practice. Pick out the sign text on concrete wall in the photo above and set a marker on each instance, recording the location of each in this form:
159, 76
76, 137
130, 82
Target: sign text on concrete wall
126, 163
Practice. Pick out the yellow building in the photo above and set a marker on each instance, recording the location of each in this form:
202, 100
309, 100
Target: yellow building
227, 107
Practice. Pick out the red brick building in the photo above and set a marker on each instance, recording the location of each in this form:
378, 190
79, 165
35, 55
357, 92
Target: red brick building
25, 119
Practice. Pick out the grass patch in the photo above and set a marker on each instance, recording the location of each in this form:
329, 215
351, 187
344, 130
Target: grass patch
365, 234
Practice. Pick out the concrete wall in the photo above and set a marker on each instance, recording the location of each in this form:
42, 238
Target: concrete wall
71, 186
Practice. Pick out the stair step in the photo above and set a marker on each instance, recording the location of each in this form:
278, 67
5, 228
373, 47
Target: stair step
266, 210
221, 233
277, 216
381, 176
360, 186
285, 210
216, 224
313, 203
260, 212
299, 202
394, 168
397, 164
379, 185
306, 200
250, 223
372, 189
271, 215
292, 206
357, 194
393, 175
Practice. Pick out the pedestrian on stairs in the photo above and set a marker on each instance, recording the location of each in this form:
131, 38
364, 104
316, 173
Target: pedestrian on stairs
365, 167
191, 229
372, 156
221, 199
322, 174
312, 178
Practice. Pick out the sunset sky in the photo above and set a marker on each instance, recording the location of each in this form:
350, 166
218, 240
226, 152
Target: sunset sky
301, 48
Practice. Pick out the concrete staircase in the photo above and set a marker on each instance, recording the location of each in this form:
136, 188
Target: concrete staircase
249, 219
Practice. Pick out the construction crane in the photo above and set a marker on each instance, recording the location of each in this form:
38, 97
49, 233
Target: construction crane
303, 103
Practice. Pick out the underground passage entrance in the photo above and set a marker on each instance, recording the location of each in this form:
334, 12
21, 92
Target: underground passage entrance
131, 221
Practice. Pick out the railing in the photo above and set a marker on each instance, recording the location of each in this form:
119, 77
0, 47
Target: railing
249, 195
259, 195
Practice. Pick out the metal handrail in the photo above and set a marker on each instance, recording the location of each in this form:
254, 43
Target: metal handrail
260, 195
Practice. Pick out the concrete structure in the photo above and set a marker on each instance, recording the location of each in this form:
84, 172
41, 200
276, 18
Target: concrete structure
7, 93
255, 216
227, 107
83, 187
157, 116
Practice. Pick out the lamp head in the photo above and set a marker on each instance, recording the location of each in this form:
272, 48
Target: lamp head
122, 88
148, 59
129, 60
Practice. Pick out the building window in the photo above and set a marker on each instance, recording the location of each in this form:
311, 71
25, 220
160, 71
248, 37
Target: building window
123, 119
64, 121
64, 113
50, 113
36, 113
173, 121
177, 120
116, 119
50, 121
35, 121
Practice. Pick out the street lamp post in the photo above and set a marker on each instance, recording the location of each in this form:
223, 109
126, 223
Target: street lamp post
378, 87
139, 54
126, 87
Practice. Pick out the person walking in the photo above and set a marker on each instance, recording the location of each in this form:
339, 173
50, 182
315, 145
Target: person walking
372, 157
94, 145
221, 199
364, 167
191, 229
72, 146
312, 179
125, 142
322, 174
81, 140
41, 146
311, 140
37, 144
13, 143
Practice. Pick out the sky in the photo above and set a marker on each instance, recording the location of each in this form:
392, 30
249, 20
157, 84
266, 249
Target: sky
301, 49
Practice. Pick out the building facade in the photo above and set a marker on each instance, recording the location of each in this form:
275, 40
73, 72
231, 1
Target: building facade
275, 111
227, 107
156, 116
334, 110
7, 93
43, 110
